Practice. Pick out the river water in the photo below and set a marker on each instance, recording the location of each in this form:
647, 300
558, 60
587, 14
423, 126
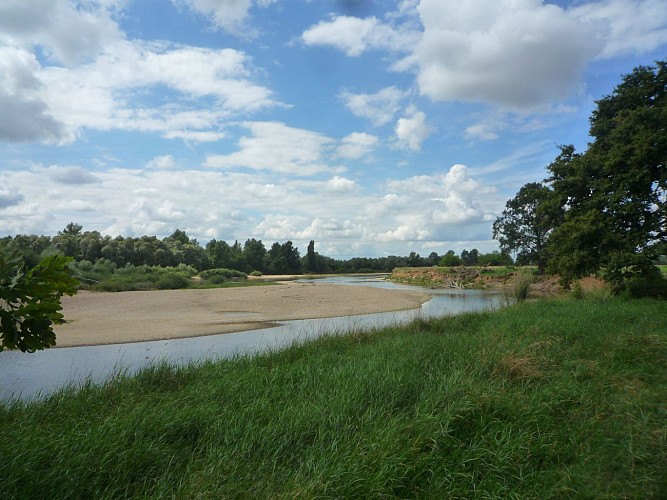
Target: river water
31, 376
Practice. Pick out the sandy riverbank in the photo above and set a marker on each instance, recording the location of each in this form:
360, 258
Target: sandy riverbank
111, 318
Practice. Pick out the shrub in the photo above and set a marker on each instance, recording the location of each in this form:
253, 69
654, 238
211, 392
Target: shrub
256, 273
221, 271
216, 279
171, 281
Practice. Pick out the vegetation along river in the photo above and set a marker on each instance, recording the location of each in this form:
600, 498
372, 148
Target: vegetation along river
29, 376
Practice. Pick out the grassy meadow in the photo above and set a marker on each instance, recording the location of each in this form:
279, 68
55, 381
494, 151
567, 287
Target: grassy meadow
557, 398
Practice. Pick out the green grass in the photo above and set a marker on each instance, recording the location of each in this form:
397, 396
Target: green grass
547, 399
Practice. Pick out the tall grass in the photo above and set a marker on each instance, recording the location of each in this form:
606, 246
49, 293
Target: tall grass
548, 399
521, 284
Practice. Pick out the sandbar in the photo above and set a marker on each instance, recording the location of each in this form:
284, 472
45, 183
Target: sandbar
96, 318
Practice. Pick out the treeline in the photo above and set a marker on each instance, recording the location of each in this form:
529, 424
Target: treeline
602, 211
178, 249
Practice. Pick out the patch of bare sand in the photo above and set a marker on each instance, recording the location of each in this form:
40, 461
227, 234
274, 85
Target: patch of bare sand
113, 318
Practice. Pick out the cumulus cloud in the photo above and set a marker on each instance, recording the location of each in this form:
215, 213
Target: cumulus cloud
380, 107
640, 32
517, 54
70, 175
66, 31
334, 211
341, 185
357, 145
8, 196
412, 130
277, 147
354, 35
53, 103
227, 15
425, 206
24, 114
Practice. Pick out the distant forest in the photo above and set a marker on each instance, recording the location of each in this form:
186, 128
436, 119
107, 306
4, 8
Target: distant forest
251, 256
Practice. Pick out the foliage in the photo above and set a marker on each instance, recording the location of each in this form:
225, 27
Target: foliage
470, 258
450, 259
549, 399
613, 195
222, 275
30, 300
525, 224
602, 211
104, 276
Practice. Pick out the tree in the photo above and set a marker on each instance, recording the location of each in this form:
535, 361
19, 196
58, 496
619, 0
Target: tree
310, 264
616, 189
254, 253
68, 241
470, 258
30, 300
525, 224
450, 259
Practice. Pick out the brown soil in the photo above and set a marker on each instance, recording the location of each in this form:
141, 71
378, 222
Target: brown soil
110, 318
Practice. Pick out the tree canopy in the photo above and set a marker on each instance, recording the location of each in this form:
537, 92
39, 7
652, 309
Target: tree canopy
603, 209
525, 224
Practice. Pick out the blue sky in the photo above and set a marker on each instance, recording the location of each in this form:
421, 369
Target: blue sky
372, 127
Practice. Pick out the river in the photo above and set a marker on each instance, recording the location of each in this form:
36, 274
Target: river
31, 376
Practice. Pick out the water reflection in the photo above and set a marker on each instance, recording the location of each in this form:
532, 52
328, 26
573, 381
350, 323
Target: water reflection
29, 376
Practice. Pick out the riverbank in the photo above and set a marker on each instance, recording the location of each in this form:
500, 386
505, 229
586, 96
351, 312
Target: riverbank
547, 399
96, 318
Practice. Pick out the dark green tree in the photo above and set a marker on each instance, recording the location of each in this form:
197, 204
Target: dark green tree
30, 300
470, 258
613, 195
450, 259
254, 253
525, 224
68, 241
310, 264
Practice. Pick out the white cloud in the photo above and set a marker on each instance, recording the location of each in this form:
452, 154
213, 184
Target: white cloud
8, 196
24, 114
54, 103
70, 175
357, 145
336, 212
633, 26
162, 162
354, 35
341, 185
277, 147
412, 130
66, 31
517, 54
195, 136
380, 107
228, 15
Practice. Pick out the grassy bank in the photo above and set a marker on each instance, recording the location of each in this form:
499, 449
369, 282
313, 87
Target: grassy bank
549, 399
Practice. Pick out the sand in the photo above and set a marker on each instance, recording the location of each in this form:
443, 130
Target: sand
110, 318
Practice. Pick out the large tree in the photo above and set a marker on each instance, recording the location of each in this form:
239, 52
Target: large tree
525, 224
613, 195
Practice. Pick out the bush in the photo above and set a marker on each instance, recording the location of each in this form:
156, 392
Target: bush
256, 273
171, 281
216, 279
221, 271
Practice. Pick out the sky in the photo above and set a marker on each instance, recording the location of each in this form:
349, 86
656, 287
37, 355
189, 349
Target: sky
372, 127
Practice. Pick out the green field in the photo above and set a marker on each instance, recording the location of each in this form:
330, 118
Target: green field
556, 398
